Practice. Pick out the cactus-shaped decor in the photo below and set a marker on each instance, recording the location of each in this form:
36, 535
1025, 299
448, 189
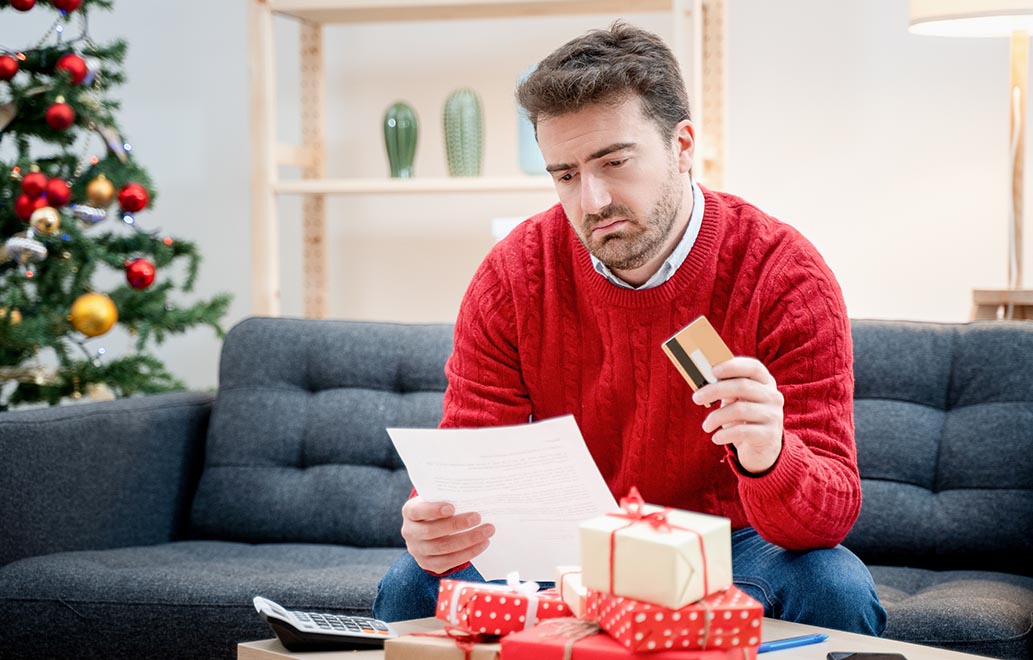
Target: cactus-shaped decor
464, 133
401, 128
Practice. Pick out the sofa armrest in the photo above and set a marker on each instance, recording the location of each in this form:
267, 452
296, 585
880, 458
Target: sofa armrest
99, 475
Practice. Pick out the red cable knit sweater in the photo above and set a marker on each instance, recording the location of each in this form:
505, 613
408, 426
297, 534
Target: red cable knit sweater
541, 334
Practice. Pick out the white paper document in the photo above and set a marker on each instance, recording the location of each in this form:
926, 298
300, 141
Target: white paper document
534, 482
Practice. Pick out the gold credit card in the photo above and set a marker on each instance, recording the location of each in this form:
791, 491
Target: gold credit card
694, 350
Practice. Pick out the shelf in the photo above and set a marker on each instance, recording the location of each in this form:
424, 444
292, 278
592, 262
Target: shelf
702, 18
416, 185
373, 11
1002, 296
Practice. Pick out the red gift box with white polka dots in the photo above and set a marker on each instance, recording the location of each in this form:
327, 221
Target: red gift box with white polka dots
726, 620
496, 609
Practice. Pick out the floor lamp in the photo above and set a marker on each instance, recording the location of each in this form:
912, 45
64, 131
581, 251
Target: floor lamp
994, 18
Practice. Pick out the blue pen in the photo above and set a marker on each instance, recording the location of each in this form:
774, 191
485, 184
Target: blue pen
791, 642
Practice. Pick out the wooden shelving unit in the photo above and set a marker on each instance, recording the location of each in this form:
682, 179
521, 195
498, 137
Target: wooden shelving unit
704, 58
419, 185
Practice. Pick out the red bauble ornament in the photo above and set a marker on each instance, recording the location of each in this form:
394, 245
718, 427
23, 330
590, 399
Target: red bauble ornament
25, 205
34, 183
133, 197
60, 116
23, 5
67, 5
58, 192
139, 273
74, 65
8, 67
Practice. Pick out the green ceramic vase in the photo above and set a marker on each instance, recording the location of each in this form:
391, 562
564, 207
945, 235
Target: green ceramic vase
401, 129
464, 133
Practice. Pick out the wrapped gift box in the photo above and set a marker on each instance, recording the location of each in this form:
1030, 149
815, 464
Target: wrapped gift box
438, 647
726, 620
496, 609
571, 639
662, 556
573, 593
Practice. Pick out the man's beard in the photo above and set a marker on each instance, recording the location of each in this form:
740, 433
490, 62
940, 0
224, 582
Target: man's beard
631, 248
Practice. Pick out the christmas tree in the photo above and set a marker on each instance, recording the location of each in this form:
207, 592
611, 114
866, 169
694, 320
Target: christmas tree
71, 196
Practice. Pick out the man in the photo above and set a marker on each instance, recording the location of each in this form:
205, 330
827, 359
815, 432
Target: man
567, 314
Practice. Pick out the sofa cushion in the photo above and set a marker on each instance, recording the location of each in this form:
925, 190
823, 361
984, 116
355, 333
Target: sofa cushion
943, 416
984, 613
297, 448
137, 602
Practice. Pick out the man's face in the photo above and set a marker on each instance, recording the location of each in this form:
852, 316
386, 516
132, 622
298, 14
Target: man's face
619, 182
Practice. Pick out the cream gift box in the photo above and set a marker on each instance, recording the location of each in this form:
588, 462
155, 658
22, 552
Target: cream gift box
668, 557
573, 593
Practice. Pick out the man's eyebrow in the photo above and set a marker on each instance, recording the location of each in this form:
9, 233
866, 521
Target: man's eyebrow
598, 154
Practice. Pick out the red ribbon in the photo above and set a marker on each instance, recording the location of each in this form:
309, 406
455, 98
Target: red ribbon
463, 639
632, 510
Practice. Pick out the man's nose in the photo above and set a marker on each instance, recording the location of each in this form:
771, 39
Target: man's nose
595, 196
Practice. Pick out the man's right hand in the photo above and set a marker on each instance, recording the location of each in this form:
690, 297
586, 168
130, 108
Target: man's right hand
438, 539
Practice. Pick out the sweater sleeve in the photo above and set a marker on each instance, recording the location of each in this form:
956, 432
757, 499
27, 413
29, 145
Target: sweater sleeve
485, 385
812, 495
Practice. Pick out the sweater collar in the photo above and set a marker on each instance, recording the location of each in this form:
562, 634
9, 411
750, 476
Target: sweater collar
671, 264
676, 286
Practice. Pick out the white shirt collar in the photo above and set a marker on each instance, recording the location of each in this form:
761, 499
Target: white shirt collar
670, 265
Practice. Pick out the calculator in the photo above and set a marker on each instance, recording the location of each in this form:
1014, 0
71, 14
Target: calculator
312, 631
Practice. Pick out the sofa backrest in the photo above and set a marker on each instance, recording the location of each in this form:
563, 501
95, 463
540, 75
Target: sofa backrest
944, 418
297, 449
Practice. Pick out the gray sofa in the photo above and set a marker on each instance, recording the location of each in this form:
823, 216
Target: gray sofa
141, 528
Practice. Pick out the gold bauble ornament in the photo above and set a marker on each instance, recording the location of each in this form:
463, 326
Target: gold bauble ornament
16, 316
46, 220
100, 191
93, 314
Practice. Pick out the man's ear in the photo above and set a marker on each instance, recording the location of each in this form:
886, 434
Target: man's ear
685, 145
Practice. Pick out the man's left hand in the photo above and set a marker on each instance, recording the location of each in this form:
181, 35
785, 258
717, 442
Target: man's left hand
750, 416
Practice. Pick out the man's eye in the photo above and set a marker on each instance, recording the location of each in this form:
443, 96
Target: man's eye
617, 163
567, 177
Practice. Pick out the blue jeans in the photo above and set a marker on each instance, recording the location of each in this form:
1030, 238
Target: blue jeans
829, 588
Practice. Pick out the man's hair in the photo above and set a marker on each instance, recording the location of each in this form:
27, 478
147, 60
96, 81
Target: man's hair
608, 67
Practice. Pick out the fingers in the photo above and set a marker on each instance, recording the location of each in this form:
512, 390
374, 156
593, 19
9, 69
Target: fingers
428, 530
444, 563
744, 367
418, 509
741, 389
440, 540
742, 412
446, 552
742, 435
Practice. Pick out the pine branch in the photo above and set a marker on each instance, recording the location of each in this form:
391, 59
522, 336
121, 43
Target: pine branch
35, 311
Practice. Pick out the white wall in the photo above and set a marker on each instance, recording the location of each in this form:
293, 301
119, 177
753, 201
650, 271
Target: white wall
889, 151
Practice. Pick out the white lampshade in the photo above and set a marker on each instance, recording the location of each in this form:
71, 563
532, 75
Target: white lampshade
971, 18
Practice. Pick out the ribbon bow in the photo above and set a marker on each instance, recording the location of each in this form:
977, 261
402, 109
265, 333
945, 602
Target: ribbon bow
632, 506
513, 582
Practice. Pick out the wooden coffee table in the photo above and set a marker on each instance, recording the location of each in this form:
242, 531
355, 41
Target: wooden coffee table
271, 649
